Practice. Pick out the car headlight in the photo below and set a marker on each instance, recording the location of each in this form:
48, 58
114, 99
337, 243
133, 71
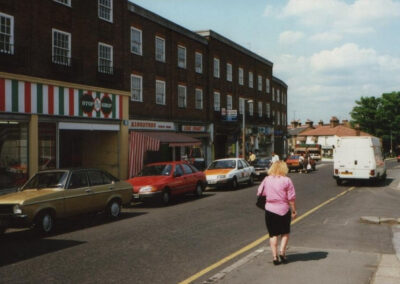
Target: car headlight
147, 188
17, 209
221, 176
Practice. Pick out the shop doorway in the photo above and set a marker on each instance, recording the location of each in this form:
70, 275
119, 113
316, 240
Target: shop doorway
92, 149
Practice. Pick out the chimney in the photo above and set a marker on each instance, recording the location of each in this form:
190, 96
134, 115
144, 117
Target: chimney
294, 123
334, 121
357, 128
321, 123
345, 122
309, 123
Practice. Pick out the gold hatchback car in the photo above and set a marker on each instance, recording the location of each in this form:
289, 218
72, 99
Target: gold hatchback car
63, 193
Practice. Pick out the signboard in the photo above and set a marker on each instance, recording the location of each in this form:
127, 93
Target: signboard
193, 128
151, 125
228, 115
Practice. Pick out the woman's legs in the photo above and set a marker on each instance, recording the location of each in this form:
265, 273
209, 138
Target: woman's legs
284, 242
273, 242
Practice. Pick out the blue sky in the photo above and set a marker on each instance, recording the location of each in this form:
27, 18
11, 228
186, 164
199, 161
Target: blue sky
329, 52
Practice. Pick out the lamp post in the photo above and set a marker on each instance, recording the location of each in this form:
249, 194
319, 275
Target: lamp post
244, 127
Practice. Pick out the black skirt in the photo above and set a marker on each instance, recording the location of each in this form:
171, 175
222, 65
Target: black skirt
277, 224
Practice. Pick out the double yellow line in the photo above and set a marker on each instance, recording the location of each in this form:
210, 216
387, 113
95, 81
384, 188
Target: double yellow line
259, 241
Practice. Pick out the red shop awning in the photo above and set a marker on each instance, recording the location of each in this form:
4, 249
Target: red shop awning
173, 139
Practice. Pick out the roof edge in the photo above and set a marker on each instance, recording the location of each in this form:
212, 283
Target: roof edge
279, 81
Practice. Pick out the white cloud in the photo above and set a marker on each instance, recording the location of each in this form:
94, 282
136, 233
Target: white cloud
326, 37
290, 37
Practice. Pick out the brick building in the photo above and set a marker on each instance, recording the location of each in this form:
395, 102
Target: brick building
84, 83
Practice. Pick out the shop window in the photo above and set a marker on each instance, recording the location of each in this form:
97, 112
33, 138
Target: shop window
13, 154
47, 146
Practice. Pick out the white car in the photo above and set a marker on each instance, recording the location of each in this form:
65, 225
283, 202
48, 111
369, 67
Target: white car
229, 172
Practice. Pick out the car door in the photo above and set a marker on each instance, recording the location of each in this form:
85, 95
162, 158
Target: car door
78, 196
178, 182
241, 173
102, 186
189, 177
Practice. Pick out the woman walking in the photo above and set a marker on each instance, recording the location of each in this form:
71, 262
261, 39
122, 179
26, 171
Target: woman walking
280, 198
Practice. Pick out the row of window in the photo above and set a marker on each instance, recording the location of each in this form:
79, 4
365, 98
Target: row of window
105, 8
160, 87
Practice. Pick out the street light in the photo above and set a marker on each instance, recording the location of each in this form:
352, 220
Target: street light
244, 126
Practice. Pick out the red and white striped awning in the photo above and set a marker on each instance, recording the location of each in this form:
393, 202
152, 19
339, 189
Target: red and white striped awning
140, 142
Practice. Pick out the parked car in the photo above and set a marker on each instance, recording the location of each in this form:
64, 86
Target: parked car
261, 166
163, 180
293, 163
229, 172
55, 194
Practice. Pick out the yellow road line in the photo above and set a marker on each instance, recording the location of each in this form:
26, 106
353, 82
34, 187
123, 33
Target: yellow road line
257, 242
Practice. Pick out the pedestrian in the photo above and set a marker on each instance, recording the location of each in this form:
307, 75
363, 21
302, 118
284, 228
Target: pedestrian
275, 157
301, 163
280, 208
252, 157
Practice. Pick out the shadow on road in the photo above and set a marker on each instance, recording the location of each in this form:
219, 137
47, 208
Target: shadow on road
175, 200
368, 183
316, 255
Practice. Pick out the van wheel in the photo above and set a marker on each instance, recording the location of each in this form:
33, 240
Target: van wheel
339, 182
114, 208
44, 222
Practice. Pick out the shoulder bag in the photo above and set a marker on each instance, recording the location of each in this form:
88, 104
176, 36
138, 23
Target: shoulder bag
261, 200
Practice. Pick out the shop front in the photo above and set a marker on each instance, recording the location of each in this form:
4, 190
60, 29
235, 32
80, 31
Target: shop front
50, 124
158, 141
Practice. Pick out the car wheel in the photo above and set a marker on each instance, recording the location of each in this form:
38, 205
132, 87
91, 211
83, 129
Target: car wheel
199, 190
339, 182
165, 197
114, 208
234, 183
45, 222
251, 180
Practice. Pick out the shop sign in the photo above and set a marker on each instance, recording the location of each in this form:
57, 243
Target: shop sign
151, 125
228, 115
193, 128
36, 98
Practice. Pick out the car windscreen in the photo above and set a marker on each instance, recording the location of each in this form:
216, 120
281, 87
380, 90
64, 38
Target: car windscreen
263, 162
294, 157
47, 180
156, 170
225, 164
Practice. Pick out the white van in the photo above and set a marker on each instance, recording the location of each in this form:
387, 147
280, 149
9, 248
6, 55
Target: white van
358, 158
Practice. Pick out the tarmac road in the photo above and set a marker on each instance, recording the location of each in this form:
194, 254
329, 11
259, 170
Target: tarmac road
153, 244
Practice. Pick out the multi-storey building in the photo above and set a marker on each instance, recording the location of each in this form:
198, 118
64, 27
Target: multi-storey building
109, 84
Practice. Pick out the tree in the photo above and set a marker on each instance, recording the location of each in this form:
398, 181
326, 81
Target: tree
379, 117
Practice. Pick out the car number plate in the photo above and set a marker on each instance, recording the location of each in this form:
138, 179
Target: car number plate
135, 195
211, 181
346, 173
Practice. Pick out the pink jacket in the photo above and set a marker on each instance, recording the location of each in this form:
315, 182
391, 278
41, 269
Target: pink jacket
279, 190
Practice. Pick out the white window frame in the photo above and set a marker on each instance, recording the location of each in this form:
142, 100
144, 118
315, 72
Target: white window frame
273, 94
110, 8
267, 85
260, 109
216, 65
184, 89
278, 115
217, 101
251, 108
241, 76
198, 98
138, 44
162, 84
181, 61
229, 104
229, 72
259, 81
159, 40
268, 110
68, 57
64, 2
140, 99
101, 68
278, 95
273, 117
251, 80
241, 105
10, 49
198, 62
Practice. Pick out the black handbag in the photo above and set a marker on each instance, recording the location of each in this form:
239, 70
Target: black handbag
261, 199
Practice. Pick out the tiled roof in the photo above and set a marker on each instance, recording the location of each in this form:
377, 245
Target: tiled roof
327, 130
297, 130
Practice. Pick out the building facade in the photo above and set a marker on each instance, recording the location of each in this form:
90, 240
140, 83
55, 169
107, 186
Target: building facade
108, 84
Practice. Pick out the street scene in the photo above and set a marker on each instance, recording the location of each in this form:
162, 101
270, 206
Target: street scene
185, 142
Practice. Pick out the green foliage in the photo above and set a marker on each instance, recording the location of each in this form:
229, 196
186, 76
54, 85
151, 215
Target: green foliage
379, 117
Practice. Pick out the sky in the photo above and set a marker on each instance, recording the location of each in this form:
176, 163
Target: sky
330, 53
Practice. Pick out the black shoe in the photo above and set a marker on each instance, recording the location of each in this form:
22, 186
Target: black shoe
276, 261
283, 259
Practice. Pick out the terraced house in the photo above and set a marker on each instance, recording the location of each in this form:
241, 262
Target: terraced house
108, 84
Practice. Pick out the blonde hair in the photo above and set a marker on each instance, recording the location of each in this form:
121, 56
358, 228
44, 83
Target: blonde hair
279, 168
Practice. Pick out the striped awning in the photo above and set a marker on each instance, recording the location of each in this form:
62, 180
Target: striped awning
140, 142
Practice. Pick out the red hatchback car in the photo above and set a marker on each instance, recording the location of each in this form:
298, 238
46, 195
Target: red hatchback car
165, 179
